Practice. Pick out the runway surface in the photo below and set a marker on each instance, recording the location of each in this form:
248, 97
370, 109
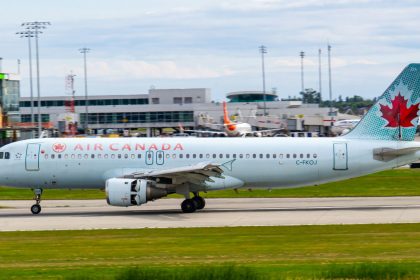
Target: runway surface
166, 213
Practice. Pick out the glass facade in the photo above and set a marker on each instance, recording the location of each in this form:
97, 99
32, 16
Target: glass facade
27, 117
95, 102
138, 117
9, 92
252, 98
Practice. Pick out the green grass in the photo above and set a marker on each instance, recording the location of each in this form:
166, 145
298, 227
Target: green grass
398, 182
306, 252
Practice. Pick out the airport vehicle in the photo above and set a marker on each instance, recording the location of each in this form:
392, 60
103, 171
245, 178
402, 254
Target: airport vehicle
134, 171
344, 126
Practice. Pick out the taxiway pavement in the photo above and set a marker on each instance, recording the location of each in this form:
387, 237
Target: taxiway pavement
166, 213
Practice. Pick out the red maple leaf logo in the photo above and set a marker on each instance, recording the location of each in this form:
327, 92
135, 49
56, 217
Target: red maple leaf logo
58, 148
399, 115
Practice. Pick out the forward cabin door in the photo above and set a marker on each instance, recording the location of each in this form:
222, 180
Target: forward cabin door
32, 157
340, 156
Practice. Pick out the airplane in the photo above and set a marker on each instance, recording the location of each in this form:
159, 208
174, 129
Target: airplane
344, 126
232, 129
134, 171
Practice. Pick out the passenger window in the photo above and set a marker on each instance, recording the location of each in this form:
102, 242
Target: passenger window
288, 156
168, 156
52, 156
92, 155
119, 155
221, 156
254, 155
1, 155
234, 155
308, 155
315, 155
59, 156
73, 156
248, 155
99, 156
181, 155
159, 155
46, 156
194, 155
280, 155
112, 156
6, 155
174, 156
66, 156
274, 155
294, 156
105, 156
201, 155
227, 156
241, 156
207, 155
301, 155
214, 155
261, 155
125, 155
86, 156
267, 155
133, 156
79, 156
187, 155
139, 156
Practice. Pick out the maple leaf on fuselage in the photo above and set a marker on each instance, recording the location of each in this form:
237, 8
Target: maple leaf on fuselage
399, 114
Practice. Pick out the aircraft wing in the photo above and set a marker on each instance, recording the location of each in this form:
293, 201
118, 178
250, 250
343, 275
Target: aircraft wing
211, 132
196, 174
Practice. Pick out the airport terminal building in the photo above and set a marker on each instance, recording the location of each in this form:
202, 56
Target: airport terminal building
191, 108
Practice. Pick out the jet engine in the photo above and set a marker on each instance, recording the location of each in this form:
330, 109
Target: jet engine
128, 192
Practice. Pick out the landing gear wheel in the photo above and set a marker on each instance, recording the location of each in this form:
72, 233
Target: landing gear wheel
188, 206
200, 203
36, 209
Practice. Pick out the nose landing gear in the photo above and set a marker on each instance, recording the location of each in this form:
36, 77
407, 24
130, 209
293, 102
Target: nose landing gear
36, 208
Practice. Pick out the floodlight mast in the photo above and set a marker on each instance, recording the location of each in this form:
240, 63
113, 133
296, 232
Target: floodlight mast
263, 51
84, 51
302, 56
29, 34
36, 27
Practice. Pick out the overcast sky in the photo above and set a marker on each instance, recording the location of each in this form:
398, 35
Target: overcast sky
214, 44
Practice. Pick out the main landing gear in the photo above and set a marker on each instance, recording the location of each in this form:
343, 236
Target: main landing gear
190, 205
36, 208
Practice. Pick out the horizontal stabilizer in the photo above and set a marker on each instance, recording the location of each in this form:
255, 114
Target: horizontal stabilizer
387, 154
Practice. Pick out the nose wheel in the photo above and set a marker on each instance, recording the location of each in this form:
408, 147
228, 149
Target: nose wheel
36, 208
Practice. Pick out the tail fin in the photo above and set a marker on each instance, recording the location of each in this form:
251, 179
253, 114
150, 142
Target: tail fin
395, 115
226, 121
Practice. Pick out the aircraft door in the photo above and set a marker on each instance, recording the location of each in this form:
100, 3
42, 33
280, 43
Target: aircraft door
160, 157
149, 157
340, 156
32, 157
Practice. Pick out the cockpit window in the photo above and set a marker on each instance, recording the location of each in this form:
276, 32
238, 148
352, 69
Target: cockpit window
6, 155
1, 155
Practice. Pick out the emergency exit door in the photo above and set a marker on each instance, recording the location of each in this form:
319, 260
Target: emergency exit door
340, 156
32, 157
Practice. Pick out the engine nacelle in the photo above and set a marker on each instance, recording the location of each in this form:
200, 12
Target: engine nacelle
128, 192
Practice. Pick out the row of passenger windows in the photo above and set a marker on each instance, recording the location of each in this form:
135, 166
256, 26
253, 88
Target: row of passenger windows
181, 156
4, 155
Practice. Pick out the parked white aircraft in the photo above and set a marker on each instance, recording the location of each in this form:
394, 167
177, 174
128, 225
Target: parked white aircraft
135, 170
344, 126
233, 129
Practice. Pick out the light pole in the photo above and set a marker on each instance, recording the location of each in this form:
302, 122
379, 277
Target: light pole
35, 27
84, 51
263, 50
329, 80
319, 72
29, 34
302, 56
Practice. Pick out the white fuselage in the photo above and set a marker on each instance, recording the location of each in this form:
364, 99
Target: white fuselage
246, 162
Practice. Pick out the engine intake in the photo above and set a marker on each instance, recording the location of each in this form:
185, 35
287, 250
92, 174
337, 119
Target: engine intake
128, 192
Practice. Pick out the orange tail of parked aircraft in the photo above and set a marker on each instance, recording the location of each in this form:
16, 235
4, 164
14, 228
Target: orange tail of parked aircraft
226, 121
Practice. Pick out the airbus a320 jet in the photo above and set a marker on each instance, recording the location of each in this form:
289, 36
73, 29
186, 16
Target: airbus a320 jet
134, 171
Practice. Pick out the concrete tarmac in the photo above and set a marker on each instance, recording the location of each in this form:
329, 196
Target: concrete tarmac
231, 212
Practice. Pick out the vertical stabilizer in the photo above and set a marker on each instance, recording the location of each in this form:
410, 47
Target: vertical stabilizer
396, 113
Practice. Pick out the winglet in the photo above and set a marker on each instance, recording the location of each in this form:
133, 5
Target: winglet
226, 121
